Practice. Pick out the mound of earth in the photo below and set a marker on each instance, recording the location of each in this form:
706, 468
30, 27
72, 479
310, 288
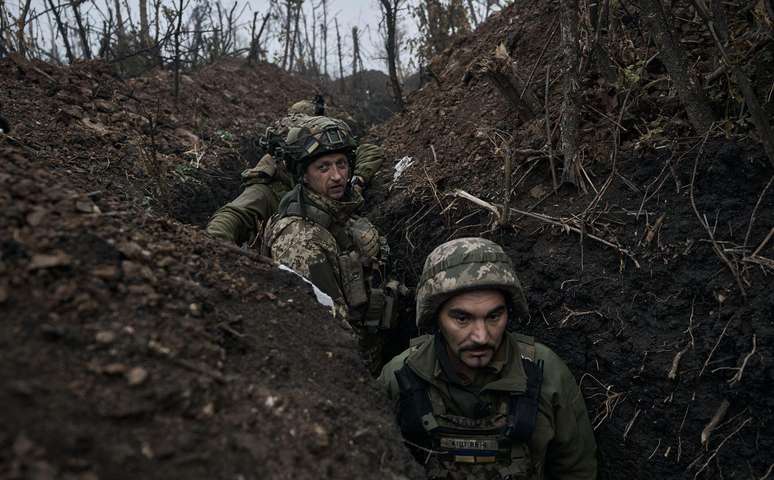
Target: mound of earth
133, 346
181, 158
654, 285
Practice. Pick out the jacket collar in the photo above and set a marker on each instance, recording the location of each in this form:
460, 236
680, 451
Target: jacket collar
511, 378
339, 210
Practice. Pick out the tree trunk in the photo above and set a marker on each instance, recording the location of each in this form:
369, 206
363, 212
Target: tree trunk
674, 57
62, 31
144, 26
82, 31
355, 53
288, 20
341, 61
390, 11
178, 29
570, 85
472, 10
324, 29
20, 26
292, 54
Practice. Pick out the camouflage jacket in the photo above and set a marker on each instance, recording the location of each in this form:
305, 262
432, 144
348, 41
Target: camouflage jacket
562, 446
325, 241
264, 185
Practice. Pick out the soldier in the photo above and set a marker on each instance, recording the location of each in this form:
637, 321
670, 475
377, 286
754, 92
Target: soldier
264, 185
474, 399
317, 232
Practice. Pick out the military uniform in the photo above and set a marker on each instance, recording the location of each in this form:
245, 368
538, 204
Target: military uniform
339, 251
264, 185
522, 417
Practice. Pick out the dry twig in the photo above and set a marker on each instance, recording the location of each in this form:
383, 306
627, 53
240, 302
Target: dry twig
712, 352
563, 223
755, 210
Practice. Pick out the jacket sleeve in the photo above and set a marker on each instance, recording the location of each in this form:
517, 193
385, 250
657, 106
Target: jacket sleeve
368, 160
239, 220
572, 454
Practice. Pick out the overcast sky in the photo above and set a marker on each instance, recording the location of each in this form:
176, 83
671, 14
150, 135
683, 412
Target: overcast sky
363, 13
366, 14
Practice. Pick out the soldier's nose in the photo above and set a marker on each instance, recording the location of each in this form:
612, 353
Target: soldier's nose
479, 332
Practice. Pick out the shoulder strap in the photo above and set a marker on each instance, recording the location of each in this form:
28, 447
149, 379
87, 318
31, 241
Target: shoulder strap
526, 346
523, 409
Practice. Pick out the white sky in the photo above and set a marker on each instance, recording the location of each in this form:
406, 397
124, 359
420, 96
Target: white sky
366, 14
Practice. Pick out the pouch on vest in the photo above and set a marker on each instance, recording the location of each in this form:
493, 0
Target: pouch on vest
415, 412
382, 311
353, 280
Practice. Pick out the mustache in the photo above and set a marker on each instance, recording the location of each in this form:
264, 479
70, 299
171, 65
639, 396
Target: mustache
477, 346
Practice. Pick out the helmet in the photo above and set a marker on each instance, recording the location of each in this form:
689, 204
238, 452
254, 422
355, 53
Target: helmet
314, 137
466, 264
304, 107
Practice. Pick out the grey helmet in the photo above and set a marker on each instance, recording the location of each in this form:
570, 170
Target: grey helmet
461, 265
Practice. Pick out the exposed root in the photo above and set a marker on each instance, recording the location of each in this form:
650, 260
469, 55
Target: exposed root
738, 377
676, 363
717, 449
720, 414
608, 405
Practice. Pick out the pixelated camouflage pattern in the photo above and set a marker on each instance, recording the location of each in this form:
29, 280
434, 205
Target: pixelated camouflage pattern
300, 244
464, 264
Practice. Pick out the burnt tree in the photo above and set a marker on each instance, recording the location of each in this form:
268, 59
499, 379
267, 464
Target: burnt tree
390, 17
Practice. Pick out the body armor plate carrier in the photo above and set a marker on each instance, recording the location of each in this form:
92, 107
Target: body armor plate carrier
493, 439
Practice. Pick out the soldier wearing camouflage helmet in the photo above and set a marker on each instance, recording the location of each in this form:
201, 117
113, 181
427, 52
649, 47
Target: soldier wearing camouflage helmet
472, 398
263, 186
317, 232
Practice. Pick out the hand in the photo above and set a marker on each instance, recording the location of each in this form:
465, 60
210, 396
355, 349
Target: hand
358, 184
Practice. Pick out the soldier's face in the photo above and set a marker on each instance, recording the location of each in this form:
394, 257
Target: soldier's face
328, 175
473, 324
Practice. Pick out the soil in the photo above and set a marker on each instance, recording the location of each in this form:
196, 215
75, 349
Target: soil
134, 346
621, 326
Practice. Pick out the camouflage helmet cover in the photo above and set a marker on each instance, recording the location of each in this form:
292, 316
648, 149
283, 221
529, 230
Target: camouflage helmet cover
465, 264
305, 107
314, 137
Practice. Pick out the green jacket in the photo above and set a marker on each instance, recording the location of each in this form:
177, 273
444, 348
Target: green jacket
562, 446
264, 185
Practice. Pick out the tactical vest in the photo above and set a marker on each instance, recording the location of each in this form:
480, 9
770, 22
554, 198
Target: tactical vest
365, 290
493, 447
